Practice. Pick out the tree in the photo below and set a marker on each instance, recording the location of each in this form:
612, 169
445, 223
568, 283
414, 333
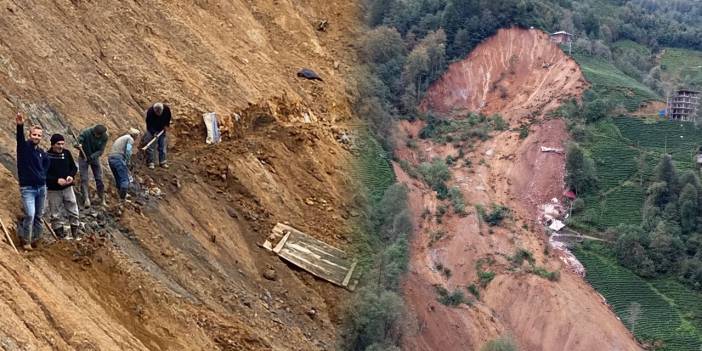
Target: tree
688, 208
666, 172
631, 250
374, 319
666, 248
580, 170
382, 45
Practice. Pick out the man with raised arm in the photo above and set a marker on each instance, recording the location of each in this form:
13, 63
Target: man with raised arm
32, 164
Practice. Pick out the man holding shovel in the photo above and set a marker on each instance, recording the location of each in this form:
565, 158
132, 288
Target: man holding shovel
158, 119
32, 164
91, 144
119, 160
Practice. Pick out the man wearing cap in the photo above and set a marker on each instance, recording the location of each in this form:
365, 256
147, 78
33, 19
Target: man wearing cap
32, 164
91, 144
158, 119
59, 181
119, 160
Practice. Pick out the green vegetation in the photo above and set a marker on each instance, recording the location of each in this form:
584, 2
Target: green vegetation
496, 215
485, 277
546, 274
580, 170
520, 256
625, 152
436, 174
668, 315
447, 298
457, 201
682, 67
500, 344
382, 248
409, 46
621, 90
473, 289
471, 127
373, 168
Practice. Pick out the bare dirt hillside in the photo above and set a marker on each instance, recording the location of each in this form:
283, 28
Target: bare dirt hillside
182, 270
521, 75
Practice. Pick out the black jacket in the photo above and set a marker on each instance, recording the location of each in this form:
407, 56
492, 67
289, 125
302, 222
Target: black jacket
61, 166
155, 124
32, 162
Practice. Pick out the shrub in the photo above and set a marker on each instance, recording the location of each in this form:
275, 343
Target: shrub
499, 123
473, 289
545, 273
495, 216
485, 277
447, 298
435, 174
520, 256
457, 201
500, 344
523, 132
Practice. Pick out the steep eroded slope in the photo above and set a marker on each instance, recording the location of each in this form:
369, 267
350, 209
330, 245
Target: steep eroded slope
519, 74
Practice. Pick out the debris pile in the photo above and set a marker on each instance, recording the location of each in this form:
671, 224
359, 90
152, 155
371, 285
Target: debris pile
550, 215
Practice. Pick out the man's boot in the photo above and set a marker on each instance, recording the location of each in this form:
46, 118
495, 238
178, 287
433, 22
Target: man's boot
101, 197
75, 230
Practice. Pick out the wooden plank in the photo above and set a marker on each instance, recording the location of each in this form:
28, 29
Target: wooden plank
349, 274
280, 245
314, 256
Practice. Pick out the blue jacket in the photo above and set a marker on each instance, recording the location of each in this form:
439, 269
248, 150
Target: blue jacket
32, 161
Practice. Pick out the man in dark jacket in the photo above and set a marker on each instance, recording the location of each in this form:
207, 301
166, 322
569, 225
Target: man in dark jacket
32, 163
59, 181
92, 142
158, 118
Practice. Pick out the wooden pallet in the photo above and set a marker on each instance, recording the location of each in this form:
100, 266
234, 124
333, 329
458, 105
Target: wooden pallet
320, 259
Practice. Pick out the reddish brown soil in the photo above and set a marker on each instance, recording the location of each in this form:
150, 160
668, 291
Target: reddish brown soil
513, 73
539, 314
183, 272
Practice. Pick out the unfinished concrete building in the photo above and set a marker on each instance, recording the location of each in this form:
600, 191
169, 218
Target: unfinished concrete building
683, 105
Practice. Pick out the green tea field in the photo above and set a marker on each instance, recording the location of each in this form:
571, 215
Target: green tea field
609, 81
669, 312
626, 151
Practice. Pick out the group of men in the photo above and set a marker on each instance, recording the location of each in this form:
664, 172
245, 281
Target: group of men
49, 176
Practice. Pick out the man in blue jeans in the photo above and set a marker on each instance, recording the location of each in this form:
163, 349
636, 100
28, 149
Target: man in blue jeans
32, 164
158, 119
119, 160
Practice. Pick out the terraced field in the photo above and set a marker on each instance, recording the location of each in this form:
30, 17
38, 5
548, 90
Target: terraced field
626, 152
682, 66
609, 81
680, 139
662, 319
373, 171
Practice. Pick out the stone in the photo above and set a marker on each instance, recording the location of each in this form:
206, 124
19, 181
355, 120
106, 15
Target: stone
270, 274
